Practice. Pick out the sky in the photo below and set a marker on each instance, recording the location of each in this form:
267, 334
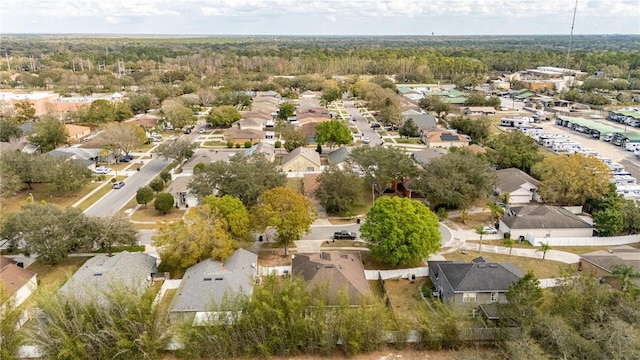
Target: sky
314, 17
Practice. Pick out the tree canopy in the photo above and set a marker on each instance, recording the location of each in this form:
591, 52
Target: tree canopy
286, 210
339, 189
293, 136
223, 116
401, 231
245, 178
571, 180
382, 166
48, 134
179, 150
514, 149
286, 110
122, 137
333, 132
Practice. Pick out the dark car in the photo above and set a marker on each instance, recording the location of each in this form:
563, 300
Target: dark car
376, 126
187, 131
124, 159
118, 184
344, 234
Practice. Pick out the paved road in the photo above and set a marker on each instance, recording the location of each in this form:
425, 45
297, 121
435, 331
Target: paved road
362, 124
116, 199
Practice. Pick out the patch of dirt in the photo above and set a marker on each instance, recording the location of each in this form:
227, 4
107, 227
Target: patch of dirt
273, 257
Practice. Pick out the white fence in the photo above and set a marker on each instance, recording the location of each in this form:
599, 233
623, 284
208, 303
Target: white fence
277, 270
584, 241
394, 274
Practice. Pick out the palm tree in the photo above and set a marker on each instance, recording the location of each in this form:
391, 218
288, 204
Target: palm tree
464, 216
496, 211
624, 273
508, 242
505, 197
544, 247
481, 231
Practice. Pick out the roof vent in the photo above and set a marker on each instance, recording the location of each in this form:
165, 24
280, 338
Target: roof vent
97, 274
219, 278
329, 266
482, 265
207, 279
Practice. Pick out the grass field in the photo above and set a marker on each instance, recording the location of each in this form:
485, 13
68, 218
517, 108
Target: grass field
51, 277
44, 192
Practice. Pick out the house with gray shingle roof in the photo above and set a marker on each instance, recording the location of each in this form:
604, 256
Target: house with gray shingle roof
472, 284
543, 221
205, 287
338, 156
103, 273
601, 263
339, 272
424, 121
520, 186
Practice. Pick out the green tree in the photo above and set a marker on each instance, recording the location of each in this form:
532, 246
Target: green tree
144, 195
27, 167
409, 129
204, 233
48, 134
625, 274
179, 116
437, 105
235, 215
571, 180
223, 116
382, 166
237, 177
164, 203
514, 149
609, 221
630, 212
401, 231
508, 242
477, 129
10, 182
333, 132
330, 94
338, 189
286, 110
9, 130
68, 176
105, 232
496, 211
24, 111
141, 103
10, 316
544, 247
157, 185
286, 210
480, 231
48, 231
293, 136
101, 111
455, 180
179, 150
525, 297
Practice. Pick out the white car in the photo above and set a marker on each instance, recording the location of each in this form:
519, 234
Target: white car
201, 131
101, 170
366, 140
490, 230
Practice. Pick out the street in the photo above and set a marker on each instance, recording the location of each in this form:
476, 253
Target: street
116, 199
362, 124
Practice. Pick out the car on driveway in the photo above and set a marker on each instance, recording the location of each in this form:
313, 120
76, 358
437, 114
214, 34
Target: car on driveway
376, 126
344, 234
101, 170
201, 131
366, 140
118, 184
490, 230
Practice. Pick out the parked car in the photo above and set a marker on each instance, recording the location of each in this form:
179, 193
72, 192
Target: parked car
366, 140
376, 126
118, 184
344, 234
124, 159
101, 170
201, 131
187, 131
490, 230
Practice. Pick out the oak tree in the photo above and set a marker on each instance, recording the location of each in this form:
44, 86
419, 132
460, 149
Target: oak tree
382, 166
223, 116
48, 134
339, 189
179, 150
333, 132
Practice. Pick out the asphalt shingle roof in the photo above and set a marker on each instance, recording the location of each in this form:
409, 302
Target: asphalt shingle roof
542, 217
478, 276
512, 179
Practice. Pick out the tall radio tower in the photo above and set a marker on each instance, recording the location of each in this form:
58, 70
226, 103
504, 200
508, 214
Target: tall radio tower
573, 22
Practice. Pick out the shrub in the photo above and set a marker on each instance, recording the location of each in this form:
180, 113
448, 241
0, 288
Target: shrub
157, 185
237, 146
164, 203
113, 180
278, 144
198, 168
247, 144
229, 144
165, 176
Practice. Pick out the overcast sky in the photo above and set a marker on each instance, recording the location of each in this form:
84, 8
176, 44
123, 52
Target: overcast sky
313, 17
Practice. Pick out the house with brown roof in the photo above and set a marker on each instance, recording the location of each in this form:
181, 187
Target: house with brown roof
301, 160
479, 110
601, 263
520, 186
436, 137
240, 136
76, 132
341, 273
16, 282
543, 221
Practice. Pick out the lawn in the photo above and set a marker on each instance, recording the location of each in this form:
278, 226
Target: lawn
475, 219
151, 215
541, 269
44, 192
405, 297
371, 264
273, 257
51, 277
344, 243
578, 250
409, 141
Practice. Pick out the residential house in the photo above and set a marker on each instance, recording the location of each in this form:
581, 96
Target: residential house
16, 282
309, 131
182, 196
339, 156
264, 149
520, 186
206, 156
253, 123
239, 136
543, 221
341, 273
472, 284
23, 146
309, 95
600, 263
76, 132
424, 121
479, 110
102, 274
436, 137
301, 160
423, 157
205, 287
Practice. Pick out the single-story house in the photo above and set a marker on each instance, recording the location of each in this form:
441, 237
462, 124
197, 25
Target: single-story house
543, 221
308, 94
22, 146
206, 285
309, 131
16, 282
472, 284
76, 132
424, 121
206, 156
600, 263
520, 186
338, 156
179, 188
253, 123
423, 157
440, 138
339, 272
265, 149
240, 136
479, 110
301, 160
103, 273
